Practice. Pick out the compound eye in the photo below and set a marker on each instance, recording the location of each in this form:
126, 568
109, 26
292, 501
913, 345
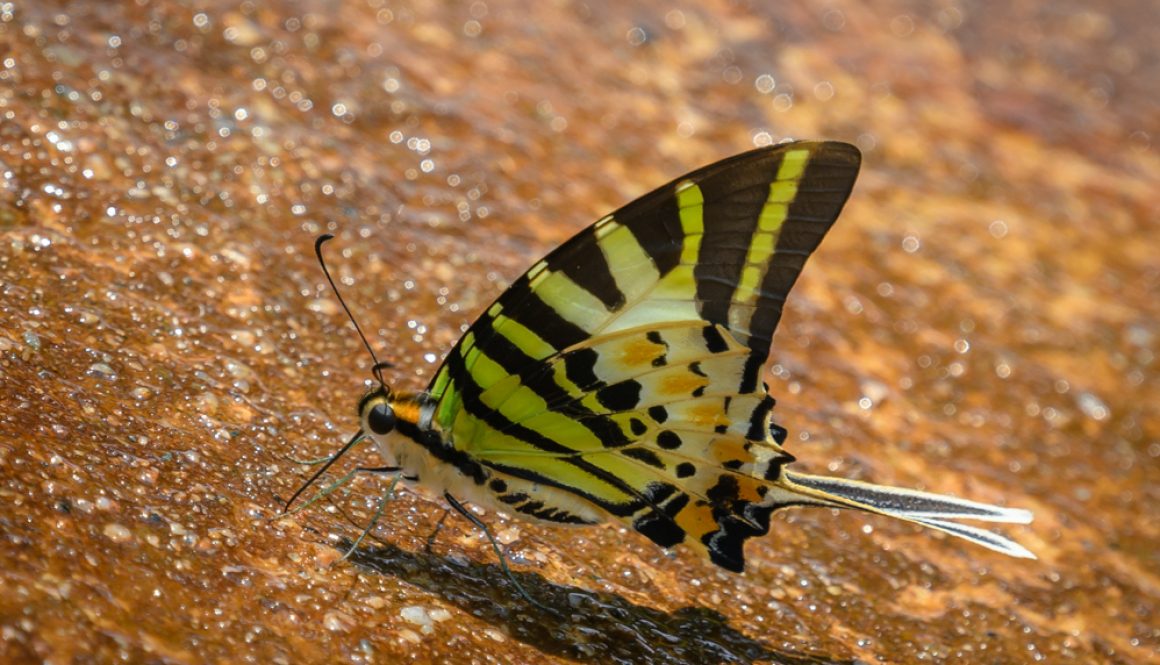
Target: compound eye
381, 419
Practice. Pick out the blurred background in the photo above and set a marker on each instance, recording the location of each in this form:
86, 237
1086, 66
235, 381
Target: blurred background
982, 321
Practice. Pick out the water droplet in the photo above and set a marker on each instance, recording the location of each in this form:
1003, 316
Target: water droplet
1092, 406
102, 371
117, 533
32, 340
417, 615
337, 622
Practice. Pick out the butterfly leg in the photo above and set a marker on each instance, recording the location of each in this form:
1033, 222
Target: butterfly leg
378, 511
382, 469
321, 494
459, 508
355, 440
436, 530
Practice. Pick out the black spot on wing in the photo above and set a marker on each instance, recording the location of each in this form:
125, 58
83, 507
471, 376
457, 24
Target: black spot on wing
580, 368
658, 413
736, 520
725, 491
660, 530
773, 471
637, 426
659, 526
644, 455
621, 396
725, 551
668, 440
736, 523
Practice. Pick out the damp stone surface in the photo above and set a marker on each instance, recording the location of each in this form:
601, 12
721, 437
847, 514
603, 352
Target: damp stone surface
981, 321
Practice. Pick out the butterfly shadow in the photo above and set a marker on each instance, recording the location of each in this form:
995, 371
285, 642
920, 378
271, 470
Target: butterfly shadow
576, 623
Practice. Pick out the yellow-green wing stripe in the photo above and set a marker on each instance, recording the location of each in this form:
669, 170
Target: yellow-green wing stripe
691, 203
782, 192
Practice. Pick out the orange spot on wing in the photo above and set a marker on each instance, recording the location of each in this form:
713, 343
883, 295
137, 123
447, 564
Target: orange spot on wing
696, 521
682, 384
640, 352
727, 449
747, 490
708, 415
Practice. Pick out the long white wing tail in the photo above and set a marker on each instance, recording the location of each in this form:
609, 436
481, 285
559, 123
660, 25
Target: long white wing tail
936, 511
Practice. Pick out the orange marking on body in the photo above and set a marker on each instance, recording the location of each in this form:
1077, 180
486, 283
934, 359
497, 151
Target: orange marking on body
641, 352
682, 384
406, 409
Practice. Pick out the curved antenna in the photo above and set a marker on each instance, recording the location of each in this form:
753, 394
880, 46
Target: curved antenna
378, 367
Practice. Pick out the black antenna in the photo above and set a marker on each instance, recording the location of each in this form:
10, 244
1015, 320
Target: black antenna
378, 368
318, 474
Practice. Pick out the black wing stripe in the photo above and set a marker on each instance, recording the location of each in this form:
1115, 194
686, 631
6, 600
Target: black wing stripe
588, 268
523, 305
655, 223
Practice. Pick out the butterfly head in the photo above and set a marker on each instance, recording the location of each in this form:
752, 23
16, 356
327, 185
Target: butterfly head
376, 412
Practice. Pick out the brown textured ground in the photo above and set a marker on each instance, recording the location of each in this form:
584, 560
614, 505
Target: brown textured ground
982, 321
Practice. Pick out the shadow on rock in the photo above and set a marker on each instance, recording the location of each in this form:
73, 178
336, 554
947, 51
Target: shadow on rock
581, 625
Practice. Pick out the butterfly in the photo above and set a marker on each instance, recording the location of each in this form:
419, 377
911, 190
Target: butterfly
620, 378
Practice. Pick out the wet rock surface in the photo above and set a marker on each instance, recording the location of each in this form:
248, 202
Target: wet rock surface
982, 321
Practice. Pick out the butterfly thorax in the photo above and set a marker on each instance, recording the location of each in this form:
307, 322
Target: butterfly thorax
415, 443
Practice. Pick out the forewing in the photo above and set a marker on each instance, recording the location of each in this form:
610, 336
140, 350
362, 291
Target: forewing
667, 305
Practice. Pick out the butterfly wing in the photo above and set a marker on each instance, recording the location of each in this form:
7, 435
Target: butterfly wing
623, 370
